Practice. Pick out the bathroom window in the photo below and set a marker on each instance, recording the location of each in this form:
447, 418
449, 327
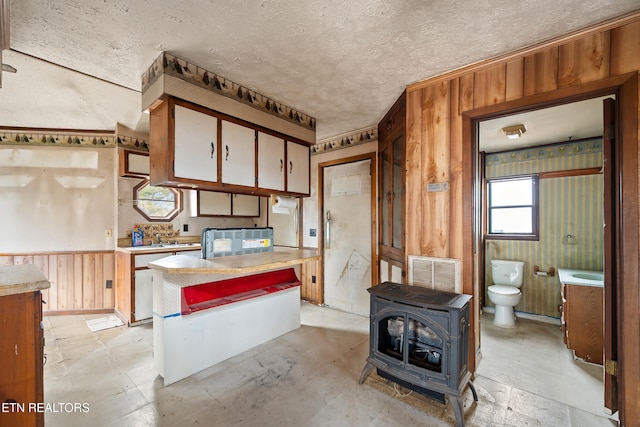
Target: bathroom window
512, 208
156, 203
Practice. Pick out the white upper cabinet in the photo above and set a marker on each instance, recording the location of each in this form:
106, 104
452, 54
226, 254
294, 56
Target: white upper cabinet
195, 145
297, 168
271, 159
238, 155
198, 148
245, 205
212, 204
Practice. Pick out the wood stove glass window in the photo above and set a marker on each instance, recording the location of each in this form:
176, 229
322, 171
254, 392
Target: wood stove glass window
418, 345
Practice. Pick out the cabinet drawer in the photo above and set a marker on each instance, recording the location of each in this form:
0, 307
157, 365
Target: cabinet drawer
143, 260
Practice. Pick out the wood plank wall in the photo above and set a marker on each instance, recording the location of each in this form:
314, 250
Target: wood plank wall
435, 222
309, 290
78, 279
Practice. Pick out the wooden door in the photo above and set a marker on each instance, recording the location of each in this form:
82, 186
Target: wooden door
270, 162
611, 229
238, 155
195, 145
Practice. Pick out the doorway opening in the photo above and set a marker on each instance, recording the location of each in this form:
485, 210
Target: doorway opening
558, 154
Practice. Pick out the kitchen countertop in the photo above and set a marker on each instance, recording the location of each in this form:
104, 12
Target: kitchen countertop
237, 264
150, 249
22, 278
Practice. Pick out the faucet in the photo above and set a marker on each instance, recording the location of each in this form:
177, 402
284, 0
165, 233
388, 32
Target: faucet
158, 237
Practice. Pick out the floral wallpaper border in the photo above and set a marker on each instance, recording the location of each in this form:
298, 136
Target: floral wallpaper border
348, 140
70, 139
191, 73
591, 145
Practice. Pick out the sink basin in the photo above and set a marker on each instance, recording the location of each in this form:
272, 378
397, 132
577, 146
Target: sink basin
168, 246
589, 276
171, 245
581, 277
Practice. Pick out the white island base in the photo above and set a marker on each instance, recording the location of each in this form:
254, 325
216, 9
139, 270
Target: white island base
184, 345
189, 337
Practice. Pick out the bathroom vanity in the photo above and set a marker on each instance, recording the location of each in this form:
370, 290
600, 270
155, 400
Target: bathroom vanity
582, 313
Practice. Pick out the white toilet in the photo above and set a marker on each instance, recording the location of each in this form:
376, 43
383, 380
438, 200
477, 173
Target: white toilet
505, 292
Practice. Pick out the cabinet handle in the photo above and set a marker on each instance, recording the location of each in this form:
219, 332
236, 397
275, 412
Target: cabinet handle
290, 166
281, 165
213, 149
227, 156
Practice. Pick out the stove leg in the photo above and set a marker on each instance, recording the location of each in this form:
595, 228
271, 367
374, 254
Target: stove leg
473, 390
365, 372
456, 404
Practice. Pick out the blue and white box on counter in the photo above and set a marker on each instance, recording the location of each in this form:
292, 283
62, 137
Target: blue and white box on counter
217, 242
137, 237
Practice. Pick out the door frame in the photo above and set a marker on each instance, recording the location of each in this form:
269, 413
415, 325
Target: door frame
625, 204
374, 191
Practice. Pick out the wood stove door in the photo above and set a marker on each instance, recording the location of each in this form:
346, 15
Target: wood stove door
420, 350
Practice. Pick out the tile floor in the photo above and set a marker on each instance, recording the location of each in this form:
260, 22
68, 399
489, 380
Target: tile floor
308, 377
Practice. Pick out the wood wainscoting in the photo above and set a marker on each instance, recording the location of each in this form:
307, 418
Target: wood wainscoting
78, 280
311, 278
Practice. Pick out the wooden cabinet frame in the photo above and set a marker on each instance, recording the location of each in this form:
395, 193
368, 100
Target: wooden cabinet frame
162, 148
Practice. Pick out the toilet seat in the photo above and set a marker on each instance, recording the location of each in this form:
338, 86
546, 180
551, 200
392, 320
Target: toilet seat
504, 290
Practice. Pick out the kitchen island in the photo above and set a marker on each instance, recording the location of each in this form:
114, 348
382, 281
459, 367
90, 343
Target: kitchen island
208, 310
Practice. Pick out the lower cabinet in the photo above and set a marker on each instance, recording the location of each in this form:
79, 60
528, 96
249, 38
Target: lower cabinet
21, 350
134, 284
582, 321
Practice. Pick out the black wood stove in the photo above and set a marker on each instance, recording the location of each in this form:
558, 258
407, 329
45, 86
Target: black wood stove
419, 338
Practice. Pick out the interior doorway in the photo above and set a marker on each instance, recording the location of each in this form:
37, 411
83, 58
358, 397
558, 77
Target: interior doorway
563, 148
623, 208
347, 211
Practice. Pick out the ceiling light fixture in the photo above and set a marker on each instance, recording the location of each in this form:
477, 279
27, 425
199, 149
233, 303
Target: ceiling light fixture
514, 132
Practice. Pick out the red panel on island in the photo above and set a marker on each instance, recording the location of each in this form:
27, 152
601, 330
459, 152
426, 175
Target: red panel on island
215, 294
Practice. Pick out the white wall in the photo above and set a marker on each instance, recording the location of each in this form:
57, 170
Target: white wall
57, 198
64, 198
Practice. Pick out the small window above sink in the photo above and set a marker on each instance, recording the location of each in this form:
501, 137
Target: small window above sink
156, 203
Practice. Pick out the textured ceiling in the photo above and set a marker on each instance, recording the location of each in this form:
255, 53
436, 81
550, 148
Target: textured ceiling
342, 62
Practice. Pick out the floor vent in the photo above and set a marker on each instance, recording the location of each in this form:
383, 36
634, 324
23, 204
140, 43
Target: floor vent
442, 274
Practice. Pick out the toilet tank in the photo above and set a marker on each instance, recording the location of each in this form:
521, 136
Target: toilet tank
509, 273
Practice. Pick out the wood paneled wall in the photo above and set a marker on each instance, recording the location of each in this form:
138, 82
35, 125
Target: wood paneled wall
78, 279
435, 221
311, 290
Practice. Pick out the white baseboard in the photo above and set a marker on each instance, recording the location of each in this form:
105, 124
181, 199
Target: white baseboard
523, 315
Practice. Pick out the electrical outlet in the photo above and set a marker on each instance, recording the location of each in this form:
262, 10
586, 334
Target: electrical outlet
109, 284
312, 232
108, 233
185, 227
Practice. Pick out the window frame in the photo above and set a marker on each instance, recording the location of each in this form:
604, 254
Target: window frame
535, 209
170, 216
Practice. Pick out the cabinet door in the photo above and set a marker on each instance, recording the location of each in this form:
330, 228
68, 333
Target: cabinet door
143, 305
213, 204
297, 168
238, 155
245, 205
134, 165
270, 162
195, 145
